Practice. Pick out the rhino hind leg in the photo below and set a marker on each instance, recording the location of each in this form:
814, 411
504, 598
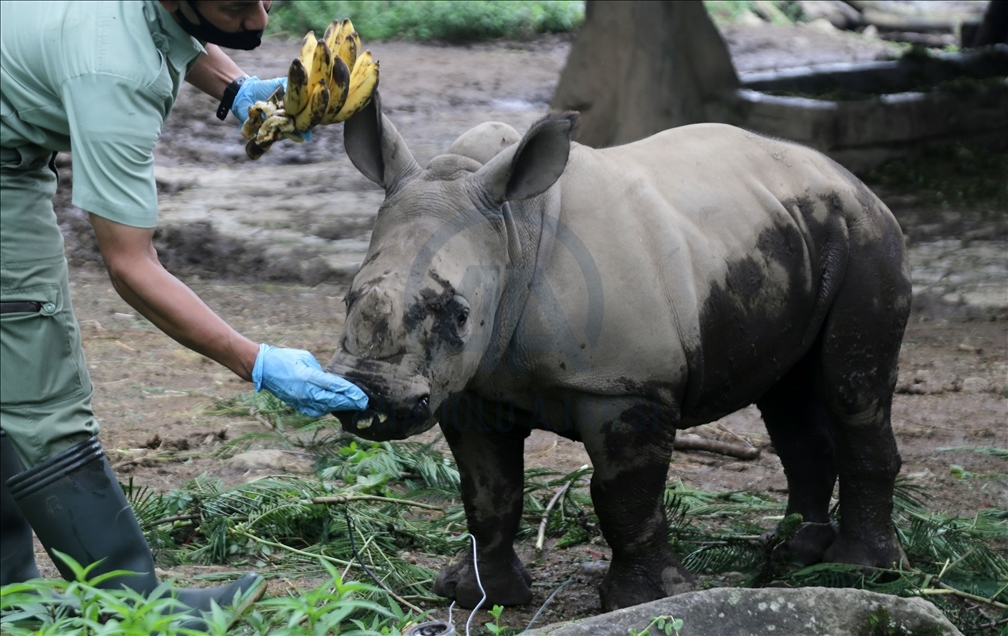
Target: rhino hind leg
491, 469
858, 360
631, 456
803, 437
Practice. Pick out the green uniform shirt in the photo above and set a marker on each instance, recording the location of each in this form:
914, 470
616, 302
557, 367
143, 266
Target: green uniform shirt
97, 79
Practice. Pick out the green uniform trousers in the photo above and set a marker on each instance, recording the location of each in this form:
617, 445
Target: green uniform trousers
45, 390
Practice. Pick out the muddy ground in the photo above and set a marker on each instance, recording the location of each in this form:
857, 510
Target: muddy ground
270, 246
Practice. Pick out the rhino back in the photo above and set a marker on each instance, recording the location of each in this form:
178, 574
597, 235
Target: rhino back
710, 244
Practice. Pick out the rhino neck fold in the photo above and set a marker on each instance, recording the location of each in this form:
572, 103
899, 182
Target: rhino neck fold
531, 230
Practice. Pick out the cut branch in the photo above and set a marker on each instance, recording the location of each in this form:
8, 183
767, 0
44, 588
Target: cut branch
690, 442
541, 538
287, 548
349, 498
948, 589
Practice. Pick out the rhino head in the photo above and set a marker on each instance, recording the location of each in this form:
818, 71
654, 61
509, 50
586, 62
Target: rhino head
424, 307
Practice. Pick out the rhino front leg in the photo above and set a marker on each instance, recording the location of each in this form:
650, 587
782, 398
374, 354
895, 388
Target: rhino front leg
630, 451
491, 467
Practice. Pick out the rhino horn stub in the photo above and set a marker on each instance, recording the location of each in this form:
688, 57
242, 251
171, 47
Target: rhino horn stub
484, 142
376, 148
369, 331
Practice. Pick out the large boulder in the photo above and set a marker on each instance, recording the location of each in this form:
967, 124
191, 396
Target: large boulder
742, 612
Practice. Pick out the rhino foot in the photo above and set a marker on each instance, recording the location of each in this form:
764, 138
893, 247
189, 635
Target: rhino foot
505, 580
632, 584
883, 554
811, 542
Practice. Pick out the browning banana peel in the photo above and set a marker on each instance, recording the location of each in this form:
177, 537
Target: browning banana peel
329, 82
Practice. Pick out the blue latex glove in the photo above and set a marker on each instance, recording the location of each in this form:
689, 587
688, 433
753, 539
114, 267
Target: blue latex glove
296, 377
255, 90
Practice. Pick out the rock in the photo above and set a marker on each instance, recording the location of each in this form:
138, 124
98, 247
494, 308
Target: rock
593, 569
838, 14
749, 19
925, 382
822, 24
769, 12
975, 385
737, 611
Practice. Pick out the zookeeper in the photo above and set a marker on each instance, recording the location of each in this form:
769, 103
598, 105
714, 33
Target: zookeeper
98, 79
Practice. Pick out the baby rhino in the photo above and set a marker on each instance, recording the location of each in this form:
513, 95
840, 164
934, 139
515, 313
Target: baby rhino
615, 297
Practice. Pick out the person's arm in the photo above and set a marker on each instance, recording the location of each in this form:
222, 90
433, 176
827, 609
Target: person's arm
213, 72
293, 375
149, 288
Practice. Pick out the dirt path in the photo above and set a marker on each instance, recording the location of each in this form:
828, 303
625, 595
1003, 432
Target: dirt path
270, 246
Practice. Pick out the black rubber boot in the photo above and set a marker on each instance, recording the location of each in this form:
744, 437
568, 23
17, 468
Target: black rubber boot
76, 506
17, 553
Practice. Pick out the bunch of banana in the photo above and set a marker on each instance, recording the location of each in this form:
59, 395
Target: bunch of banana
329, 82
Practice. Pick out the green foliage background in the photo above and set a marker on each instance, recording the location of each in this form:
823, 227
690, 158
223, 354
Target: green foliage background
449, 20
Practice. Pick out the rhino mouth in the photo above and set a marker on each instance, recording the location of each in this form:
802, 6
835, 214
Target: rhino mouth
398, 407
383, 424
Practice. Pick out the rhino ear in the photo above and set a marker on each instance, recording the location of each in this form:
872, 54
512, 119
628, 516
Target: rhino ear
375, 146
531, 167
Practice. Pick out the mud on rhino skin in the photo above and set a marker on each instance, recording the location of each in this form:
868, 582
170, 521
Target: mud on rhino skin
616, 296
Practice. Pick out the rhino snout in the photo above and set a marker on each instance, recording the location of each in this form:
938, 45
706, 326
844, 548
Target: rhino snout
383, 421
398, 406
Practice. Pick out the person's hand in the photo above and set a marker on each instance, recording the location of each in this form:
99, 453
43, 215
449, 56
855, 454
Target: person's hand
296, 377
251, 91
255, 90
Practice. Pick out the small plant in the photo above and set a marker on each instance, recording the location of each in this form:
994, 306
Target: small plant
328, 609
495, 627
665, 624
959, 471
79, 608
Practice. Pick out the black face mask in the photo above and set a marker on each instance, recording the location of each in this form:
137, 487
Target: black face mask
207, 32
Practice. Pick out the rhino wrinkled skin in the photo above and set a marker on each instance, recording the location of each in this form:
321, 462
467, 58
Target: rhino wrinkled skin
616, 296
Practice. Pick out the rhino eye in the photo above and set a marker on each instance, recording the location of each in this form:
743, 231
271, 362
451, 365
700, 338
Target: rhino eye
462, 316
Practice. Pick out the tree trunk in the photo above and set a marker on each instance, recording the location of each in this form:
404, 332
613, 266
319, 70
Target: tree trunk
994, 28
637, 68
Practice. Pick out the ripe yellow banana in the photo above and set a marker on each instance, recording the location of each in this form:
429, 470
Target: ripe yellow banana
334, 34
329, 82
339, 90
309, 117
322, 66
307, 49
347, 49
363, 82
298, 88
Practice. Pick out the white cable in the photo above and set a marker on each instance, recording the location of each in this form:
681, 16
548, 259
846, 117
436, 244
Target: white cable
479, 583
